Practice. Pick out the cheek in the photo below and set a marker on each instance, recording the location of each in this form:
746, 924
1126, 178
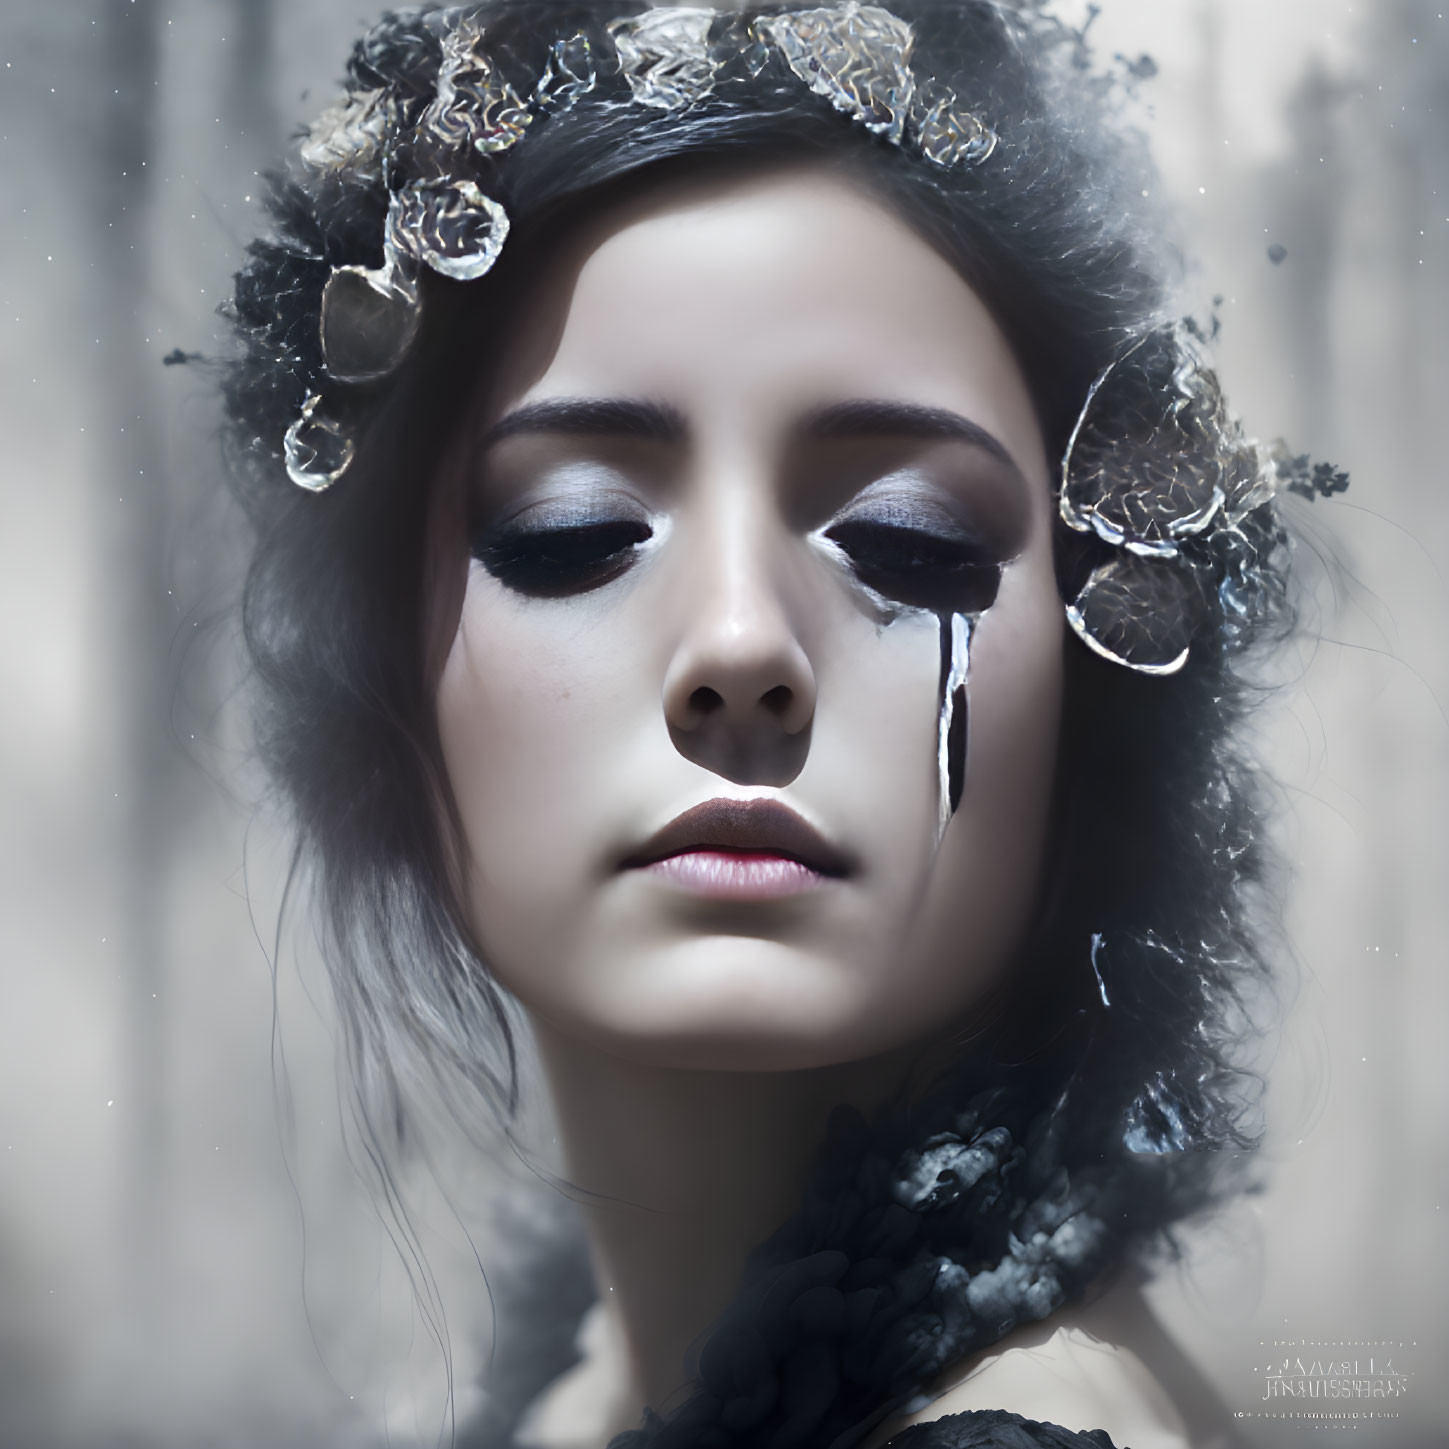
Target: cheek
985, 878
528, 710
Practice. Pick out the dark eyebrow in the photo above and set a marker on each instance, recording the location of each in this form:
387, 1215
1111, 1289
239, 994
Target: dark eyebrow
593, 417
880, 419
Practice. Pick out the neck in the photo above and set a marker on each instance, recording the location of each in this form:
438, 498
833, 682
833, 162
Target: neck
681, 1174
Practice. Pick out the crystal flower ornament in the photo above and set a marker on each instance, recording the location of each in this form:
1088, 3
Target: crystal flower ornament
474, 105
1139, 612
317, 449
369, 319
947, 134
857, 56
352, 136
1158, 467
449, 226
1155, 457
664, 55
568, 75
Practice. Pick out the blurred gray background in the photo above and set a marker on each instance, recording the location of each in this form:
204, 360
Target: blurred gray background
186, 1257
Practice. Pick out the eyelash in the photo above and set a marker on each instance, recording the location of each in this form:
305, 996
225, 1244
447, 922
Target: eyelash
918, 568
913, 566
551, 563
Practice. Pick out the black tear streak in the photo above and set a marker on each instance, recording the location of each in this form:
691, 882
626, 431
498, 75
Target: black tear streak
956, 748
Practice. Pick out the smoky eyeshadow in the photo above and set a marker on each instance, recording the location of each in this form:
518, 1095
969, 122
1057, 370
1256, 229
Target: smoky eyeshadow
918, 568
557, 562
579, 535
924, 546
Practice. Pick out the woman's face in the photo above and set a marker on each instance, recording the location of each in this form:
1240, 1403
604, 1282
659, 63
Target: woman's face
753, 448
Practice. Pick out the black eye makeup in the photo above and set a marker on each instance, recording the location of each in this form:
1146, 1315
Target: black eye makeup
551, 521
558, 560
918, 556
579, 539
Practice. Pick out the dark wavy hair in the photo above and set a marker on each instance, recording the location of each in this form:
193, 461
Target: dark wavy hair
1130, 1003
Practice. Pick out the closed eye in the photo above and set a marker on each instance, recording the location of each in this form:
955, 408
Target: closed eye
552, 563
918, 568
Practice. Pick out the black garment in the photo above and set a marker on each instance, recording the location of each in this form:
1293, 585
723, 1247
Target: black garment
922, 1239
996, 1429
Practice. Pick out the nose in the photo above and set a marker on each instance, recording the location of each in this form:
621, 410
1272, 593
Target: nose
739, 690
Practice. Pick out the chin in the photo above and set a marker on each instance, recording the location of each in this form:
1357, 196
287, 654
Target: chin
730, 1004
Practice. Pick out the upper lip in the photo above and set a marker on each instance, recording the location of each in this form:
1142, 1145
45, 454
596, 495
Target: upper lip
768, 826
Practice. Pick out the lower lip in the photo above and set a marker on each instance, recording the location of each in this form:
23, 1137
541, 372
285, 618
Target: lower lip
736, 875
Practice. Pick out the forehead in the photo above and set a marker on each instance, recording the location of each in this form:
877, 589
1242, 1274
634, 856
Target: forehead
768, 296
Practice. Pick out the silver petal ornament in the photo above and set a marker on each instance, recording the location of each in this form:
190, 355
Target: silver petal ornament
664, 55
947, 133
1139, 612
352, 135
317, 449
474, 105
755, 52
449, 226
369, 319
857, 56
568, 74
1155, 458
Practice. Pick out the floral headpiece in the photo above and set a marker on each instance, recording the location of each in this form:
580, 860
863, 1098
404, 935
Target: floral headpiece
856, 56
1156, 467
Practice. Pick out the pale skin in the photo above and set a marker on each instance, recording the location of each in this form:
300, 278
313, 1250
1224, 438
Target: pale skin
694, 1046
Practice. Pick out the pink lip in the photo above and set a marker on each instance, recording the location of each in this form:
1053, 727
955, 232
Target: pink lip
740, 850
736, 875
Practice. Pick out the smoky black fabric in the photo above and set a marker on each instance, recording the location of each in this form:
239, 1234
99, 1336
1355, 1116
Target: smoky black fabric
996, 1429
921, 1240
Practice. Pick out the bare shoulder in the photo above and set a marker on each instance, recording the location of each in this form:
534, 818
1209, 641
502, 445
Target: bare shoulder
1070, 1377
1110, 1365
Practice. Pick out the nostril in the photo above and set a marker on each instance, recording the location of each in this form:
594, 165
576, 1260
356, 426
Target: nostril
778, 700
705, 700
